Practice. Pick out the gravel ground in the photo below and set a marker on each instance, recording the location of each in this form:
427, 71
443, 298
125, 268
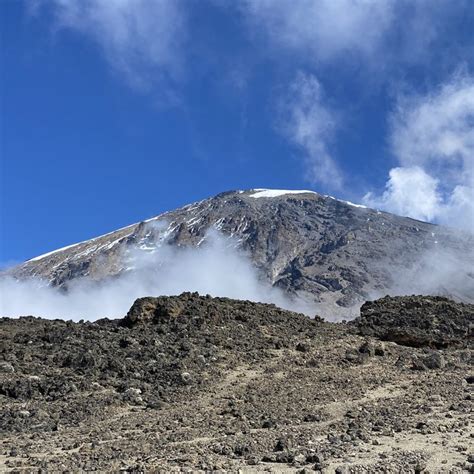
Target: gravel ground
192, 383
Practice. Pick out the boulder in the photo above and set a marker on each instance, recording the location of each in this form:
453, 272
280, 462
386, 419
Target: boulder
417, 321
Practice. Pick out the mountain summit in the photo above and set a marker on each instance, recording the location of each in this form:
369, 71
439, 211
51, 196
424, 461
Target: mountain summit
309, 245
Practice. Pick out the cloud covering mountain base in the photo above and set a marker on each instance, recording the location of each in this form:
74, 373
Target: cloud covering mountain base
217, 268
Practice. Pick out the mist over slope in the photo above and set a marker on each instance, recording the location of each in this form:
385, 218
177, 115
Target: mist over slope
217, 268
298, 249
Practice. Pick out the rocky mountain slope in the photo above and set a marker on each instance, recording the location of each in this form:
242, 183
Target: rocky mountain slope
199, 383
320, 248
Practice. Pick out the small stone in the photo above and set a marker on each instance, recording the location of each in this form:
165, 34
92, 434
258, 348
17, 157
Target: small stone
435, 399
367, 348
316, 458
351, 355
418, 364
241, 450
133, 391
283, 444
268, 424
186, 377
310, 418
420, 466
133, 395
253, 461
154, 404
434, 361
6, 368
284, 457
380, 349
303, 347
299, 459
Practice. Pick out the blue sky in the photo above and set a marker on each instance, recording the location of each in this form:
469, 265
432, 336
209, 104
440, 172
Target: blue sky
113, 111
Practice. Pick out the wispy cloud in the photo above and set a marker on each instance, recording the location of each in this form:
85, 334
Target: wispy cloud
321, 29
433, 139
142, 40
380, 33
146, 42
380, 37
309, 123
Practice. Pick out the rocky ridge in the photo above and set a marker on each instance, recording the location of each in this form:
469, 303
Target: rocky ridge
199, 383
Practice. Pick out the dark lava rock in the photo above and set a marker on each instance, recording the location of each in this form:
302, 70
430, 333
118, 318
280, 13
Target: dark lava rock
303, 347
162, 346
153, 310
433, 361
200, 384
417, 321
367, 348
284, 444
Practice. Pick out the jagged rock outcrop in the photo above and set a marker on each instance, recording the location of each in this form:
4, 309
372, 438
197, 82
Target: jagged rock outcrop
418, 321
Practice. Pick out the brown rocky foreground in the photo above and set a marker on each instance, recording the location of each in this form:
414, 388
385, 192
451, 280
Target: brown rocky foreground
198, 383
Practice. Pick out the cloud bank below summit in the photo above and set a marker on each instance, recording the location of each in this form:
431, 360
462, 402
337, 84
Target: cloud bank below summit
217, 268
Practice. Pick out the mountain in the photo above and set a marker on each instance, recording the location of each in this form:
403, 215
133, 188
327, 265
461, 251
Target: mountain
309, 245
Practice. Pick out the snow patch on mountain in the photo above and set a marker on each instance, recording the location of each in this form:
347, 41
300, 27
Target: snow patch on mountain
270, 193
41, 257
347, 202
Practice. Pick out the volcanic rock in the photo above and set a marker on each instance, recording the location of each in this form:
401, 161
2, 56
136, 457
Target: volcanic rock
418, 321
195, 383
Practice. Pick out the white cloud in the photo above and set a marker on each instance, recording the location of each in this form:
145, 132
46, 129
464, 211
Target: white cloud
378, 36
141, 39
217, 268
433, 139
309, 123
436, 271
381, 33
322, 29
437, 131
409, 192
